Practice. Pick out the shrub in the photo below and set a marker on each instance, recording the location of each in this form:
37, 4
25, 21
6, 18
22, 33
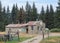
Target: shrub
55, 30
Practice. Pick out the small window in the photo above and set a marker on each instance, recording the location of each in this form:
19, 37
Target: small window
32, 27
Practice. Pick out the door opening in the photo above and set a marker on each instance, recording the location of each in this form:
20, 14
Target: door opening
27, 30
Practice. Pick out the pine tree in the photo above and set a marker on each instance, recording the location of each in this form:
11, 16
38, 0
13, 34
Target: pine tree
28, 12
0, 7
8, 15
51, 16
47, 17
13, 14
42, 14
1, 12
27, 8
58, 16
21, 15
4, 14
17, 13
1, 17
34, 12
4, 18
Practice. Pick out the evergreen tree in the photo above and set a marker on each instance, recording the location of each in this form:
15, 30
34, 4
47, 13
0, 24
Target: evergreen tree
1, 12
4, 14
55, 19
58, 16
13, 14
4, 18
8, 15
1, 17
28, 12
17, 13
27, 8
42, 15
21, 15
51, 17
0, 7
34, 12
47, 17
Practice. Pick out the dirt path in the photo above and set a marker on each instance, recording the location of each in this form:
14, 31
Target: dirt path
39, 38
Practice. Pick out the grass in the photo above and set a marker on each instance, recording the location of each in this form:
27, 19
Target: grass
16, 40
12, 41
55, 39
23, 37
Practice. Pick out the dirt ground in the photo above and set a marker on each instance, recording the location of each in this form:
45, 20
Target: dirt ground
1, 42
2, 33
27, 35
21, 34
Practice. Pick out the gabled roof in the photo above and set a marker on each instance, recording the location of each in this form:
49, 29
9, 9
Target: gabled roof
32, 23
16, 25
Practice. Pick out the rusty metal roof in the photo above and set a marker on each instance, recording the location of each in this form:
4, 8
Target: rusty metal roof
16, 25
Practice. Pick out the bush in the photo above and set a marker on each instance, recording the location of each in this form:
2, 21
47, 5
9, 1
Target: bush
55, 30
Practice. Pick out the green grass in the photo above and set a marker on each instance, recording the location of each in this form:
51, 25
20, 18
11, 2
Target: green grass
20, 40
12, 41
24, 38
55, 39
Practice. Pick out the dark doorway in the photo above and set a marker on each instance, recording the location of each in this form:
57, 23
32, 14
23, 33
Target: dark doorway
27, 30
